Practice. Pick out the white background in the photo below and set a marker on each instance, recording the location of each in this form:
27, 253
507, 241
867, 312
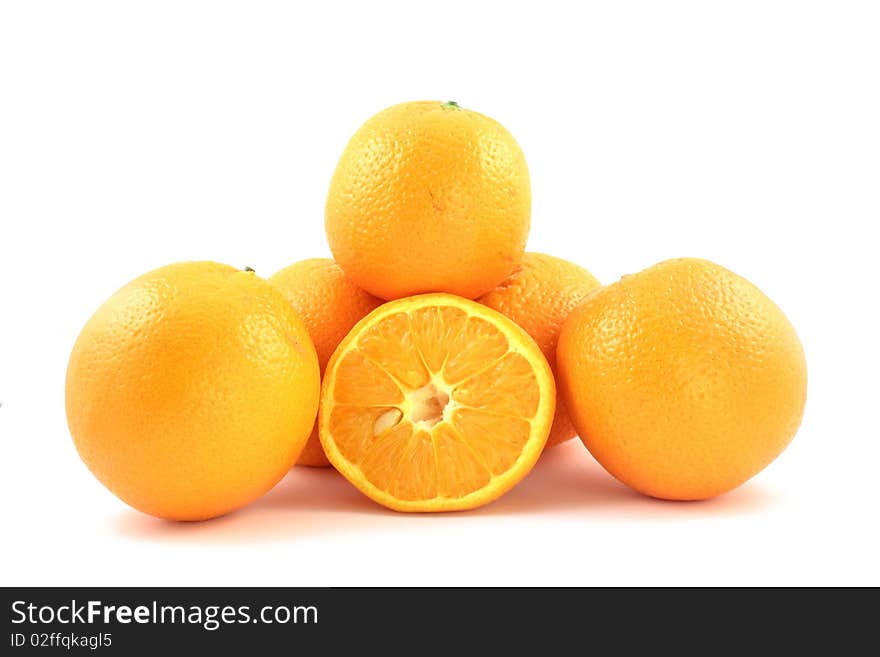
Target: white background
137, 134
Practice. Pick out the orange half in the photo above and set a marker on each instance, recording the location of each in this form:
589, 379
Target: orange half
436, 403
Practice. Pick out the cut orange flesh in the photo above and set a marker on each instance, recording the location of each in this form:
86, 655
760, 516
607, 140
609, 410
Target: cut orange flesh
436, 403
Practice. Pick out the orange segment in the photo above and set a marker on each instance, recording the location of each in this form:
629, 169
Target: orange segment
475, 346
404, 363
354, 427
434, 330
460, 471
506, 386
422, 460
498, 439
388, 450
435, 403
365, 383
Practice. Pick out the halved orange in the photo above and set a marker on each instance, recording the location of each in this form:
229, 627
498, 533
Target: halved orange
436, 403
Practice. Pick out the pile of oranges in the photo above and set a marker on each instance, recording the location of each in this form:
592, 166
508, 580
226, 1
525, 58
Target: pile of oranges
433, 360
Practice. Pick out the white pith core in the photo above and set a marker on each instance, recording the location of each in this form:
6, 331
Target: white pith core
425, 407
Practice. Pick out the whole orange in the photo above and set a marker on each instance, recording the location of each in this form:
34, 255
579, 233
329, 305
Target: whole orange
539, 295
429, 197
683, 380
330, 305
192, 390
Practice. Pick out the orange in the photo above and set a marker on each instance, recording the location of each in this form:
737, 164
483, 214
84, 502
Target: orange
330, 305
538, 296
192, 390
429, 197
436, 403
683, 380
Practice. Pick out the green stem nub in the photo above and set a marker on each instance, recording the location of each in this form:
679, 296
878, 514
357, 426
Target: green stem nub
450, 104
246, 268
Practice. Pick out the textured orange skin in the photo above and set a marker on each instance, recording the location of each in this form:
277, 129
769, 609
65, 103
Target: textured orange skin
539, 295
330, 305
428, 198
683, 380
192, 390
